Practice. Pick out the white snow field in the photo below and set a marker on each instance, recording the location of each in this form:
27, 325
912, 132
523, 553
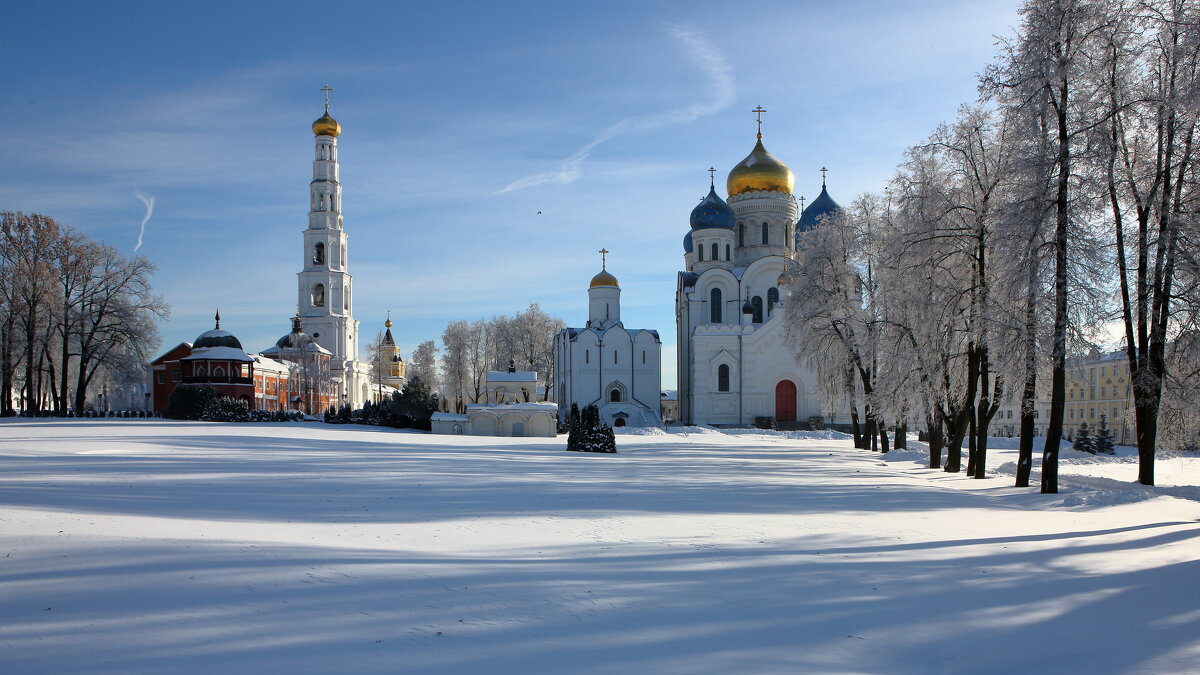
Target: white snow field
165, 547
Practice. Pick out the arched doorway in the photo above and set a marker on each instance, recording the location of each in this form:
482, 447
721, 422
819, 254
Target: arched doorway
785, 401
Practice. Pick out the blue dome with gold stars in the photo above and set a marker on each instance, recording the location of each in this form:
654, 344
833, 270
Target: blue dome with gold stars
712, 211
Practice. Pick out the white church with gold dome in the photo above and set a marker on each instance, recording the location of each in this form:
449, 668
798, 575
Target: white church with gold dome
605, 364
734, 364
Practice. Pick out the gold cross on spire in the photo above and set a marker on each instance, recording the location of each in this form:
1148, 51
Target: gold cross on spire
712, 177
823, 172
802, 203
327, 89
758, 111
603, 258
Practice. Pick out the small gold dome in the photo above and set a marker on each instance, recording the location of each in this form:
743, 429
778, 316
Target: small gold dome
327, 126
388, 323
604, 279
783, 279
760, 171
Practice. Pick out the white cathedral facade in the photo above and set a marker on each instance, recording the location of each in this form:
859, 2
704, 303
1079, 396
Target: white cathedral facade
326, 293
617, 369
734, 364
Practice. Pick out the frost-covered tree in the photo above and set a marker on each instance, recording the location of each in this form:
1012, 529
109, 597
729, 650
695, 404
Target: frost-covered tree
1150, 80
423, 364
1044, 73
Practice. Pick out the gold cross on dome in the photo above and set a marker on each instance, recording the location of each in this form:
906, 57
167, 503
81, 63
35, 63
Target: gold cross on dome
712, 176
823, 172
758, 111
327, 89
603, 257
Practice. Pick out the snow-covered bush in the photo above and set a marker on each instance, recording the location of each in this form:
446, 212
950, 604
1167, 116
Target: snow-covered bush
224, 409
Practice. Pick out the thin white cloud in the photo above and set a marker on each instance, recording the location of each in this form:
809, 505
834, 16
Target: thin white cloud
148, 200
722, 91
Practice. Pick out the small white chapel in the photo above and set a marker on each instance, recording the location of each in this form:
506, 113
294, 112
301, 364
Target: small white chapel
615, 368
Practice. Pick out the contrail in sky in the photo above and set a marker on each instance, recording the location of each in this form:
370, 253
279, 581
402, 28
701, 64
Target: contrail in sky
704, 55
148, 200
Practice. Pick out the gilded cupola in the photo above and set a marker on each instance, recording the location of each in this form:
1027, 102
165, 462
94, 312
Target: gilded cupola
603, 278
325, 124
760, 171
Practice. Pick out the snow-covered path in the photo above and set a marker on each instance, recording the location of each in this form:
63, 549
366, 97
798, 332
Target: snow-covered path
155, 546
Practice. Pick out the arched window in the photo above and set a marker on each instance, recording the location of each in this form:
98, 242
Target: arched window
723, 377
741, 234
727, 256
700, 252
772, 298
200, 371
218, 371
614, 396
764, 233
619, 422
318, 295
319, 254
756, 302
716, 252
714, 305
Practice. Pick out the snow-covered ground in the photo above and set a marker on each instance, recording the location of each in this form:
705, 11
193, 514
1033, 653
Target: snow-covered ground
157, 547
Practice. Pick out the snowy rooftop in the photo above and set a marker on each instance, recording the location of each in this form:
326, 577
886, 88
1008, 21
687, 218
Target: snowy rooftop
519, 376
218, 354
268, 364
532, 405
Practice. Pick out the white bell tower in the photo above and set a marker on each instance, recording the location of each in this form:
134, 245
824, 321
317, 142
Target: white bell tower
325, 286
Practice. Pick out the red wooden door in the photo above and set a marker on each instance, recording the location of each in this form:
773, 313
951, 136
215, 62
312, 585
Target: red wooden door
785, 401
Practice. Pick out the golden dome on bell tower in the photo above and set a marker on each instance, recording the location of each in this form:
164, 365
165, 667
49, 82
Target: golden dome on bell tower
326, 125
760, 171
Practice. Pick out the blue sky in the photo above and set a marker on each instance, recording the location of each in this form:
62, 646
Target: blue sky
460, 122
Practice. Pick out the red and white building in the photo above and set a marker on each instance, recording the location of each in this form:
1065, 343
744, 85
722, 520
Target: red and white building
298, 380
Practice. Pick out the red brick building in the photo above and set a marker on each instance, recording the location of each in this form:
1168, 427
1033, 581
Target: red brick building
216, 359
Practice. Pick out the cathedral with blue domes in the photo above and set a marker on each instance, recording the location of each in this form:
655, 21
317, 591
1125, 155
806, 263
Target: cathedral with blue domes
734, 364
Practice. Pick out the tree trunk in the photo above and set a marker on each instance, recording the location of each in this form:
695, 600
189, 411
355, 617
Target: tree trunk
956, 428
934, 426
901, 442
1029, 391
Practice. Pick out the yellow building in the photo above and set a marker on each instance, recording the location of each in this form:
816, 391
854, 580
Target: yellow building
1099, 384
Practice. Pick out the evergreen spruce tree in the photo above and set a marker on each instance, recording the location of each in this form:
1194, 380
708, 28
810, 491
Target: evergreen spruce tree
573, 428
1084, 442
586, 433
1103, 442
